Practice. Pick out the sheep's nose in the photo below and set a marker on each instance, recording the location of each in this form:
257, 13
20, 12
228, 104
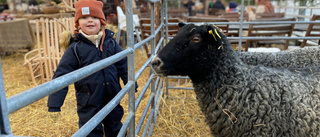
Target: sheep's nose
156, 62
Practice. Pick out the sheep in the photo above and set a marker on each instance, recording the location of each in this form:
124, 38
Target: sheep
294, 58
238, 99
301, 60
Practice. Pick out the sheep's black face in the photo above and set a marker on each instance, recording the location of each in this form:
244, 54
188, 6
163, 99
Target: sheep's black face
186, 52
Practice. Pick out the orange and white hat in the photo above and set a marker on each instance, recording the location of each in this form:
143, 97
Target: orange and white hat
92, 8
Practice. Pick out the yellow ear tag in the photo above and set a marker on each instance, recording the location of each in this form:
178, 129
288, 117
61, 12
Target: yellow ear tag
217, 33
210, 32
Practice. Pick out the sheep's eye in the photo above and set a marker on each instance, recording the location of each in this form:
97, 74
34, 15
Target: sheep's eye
196, 39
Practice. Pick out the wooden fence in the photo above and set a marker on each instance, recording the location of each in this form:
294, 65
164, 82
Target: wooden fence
44, 59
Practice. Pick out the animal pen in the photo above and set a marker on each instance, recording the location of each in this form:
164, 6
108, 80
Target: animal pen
16, 102
148, 119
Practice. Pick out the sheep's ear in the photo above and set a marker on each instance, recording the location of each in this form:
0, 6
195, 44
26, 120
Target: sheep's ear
214, 32
181, 24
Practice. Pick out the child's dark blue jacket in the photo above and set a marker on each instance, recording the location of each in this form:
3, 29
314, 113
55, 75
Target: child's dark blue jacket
99, 87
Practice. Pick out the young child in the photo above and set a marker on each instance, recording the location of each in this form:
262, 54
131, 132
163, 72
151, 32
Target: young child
91, 43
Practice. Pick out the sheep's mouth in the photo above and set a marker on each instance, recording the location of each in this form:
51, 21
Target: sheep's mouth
159, 71
157, 66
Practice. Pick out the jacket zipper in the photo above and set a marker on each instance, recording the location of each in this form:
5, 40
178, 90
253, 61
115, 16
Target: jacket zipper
97, 46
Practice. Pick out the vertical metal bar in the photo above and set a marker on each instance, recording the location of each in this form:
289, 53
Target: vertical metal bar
162, 20
153, 44
297, 11
163, 6
153, 41
311, 13
241, 23
166, 16
4, 114
167, 87
131, 67
285, 7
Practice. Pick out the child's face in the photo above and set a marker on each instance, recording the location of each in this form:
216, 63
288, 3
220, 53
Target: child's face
90, 25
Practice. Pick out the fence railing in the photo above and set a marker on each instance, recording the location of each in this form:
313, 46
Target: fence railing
16, 102
25, 98
300, 12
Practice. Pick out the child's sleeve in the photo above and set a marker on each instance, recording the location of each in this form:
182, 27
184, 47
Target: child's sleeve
68, 63
122, 67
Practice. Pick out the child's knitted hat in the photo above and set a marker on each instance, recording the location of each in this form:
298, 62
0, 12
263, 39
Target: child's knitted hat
89, 8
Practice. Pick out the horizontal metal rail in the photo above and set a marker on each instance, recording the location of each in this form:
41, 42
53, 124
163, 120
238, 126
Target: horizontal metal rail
143, 91
263, 22
125, 125
32, 95
270, 38
301, 7
97, 118
159, 44
273, 38
145, 131
4, 114
299, 16
253, 22
147, 128
143, 67
144, 114
146, 40
157, 101
178, 77
153, 1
